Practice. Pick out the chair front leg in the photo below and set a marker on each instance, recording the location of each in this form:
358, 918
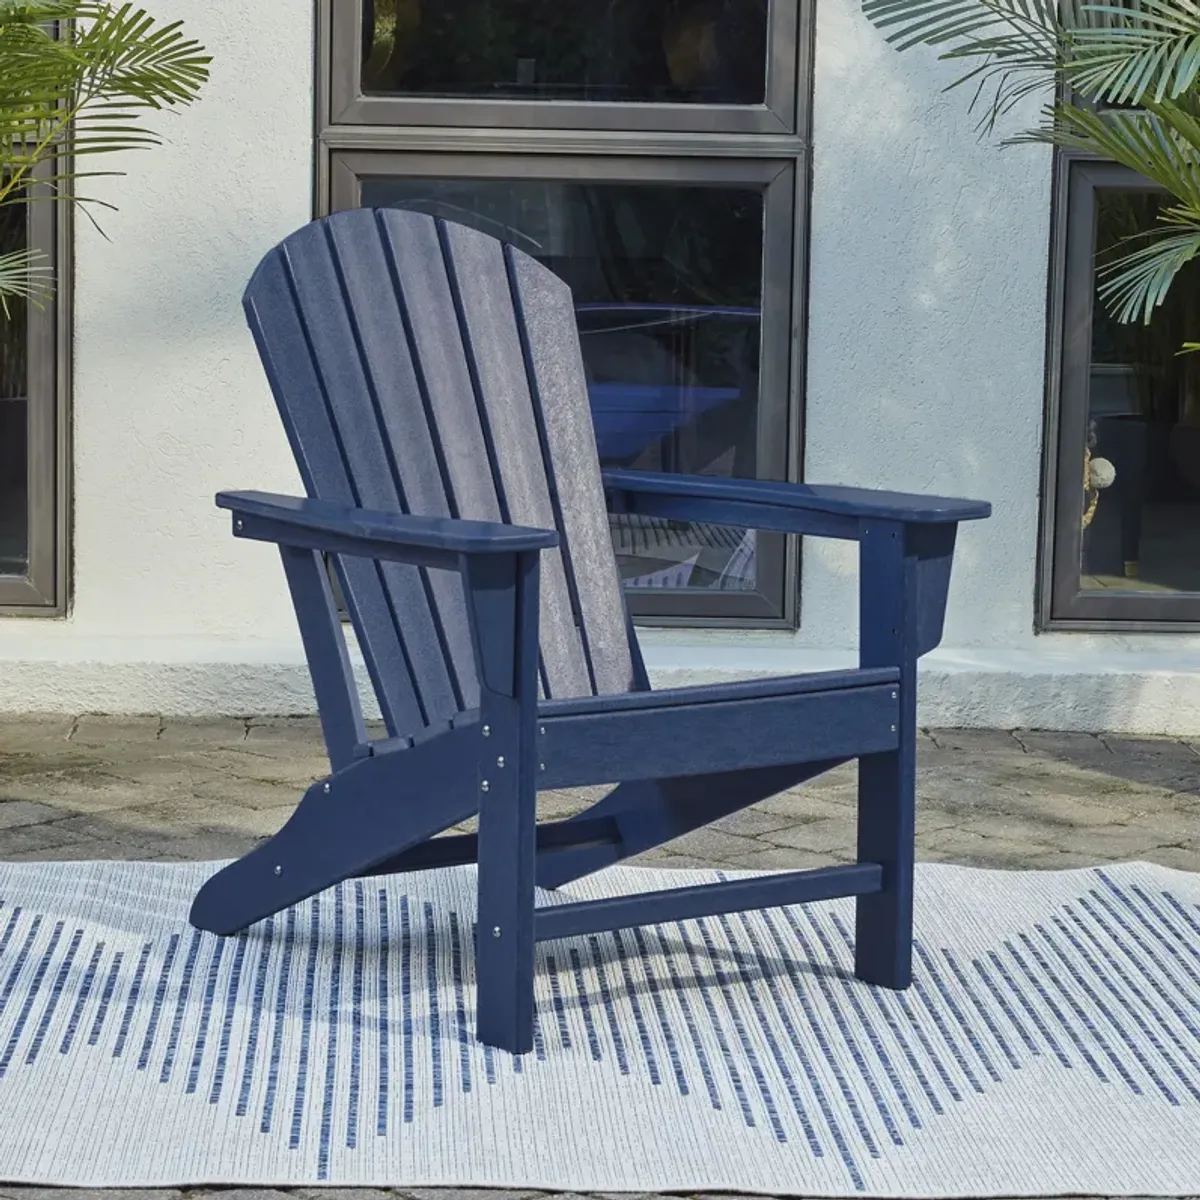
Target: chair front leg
504, 612
888, 636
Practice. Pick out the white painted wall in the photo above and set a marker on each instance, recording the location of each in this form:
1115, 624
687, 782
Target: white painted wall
925, 373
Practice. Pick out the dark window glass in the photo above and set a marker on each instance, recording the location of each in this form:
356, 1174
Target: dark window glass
666, 51
667, 283
14, 403
1142, 531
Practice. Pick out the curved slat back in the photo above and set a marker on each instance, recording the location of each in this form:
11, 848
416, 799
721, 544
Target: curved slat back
421, 366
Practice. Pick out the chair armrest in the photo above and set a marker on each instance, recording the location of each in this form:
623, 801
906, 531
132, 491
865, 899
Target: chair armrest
399, 537
821, 509
906, 543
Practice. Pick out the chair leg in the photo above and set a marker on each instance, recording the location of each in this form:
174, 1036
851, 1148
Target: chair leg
504, 598
504, 941
361, 815
887, 835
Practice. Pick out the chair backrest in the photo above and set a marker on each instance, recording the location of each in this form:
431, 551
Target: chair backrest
423, 367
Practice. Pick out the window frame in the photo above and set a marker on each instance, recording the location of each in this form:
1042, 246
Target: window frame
42, 591
1062, 603
784, 110
768, 601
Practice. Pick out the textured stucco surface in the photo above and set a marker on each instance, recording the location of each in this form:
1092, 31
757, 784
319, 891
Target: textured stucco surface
924, 372
926, 320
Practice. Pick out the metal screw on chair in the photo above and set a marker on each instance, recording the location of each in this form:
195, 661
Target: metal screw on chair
483, 787
893, 729
239, 522
541, 766
326, 787
542, 730
487, 731
500, 761
496, 931
278, 870
894, 695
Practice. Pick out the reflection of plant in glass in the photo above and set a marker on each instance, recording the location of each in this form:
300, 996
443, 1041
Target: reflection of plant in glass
74, 77
467, 46
1147, 349
391, 24
14, 329
1165, 382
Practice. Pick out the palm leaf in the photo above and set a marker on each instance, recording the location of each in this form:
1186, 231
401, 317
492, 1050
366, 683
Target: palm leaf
86, 88
1162, 142
1150, 49
23, 276
1110, 53
1138, 282
1017, 44
1144, 54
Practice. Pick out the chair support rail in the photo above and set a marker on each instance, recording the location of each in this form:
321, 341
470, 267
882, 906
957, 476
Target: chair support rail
706, 900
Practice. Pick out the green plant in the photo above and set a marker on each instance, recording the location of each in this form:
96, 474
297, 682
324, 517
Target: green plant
74, 77
1127, 81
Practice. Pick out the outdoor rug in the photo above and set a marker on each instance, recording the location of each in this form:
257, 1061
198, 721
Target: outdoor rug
1050, 1042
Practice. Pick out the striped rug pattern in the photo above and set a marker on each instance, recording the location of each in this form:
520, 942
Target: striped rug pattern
1050, 1043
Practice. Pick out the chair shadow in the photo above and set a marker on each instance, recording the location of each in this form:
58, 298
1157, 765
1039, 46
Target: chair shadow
707, 974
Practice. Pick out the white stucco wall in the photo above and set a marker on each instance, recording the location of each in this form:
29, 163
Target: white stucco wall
170, 404
925, 373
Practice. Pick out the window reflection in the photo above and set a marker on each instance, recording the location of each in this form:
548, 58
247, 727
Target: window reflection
666, 51
667, 282
14, 516
1142, 508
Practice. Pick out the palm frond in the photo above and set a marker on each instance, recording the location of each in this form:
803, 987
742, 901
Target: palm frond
1113, 53
1137, 283
79, 75
24, 276
1018, 45
1161, 142
932, 22
1141, 54
106, 55
127, 56
1150, 48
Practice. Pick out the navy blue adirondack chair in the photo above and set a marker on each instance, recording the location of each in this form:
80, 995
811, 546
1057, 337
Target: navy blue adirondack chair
430, 381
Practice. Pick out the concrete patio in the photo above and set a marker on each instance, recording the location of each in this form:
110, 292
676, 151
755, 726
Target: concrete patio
91, 787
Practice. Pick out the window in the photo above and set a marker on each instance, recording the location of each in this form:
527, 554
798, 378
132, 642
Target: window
1124, 444
652, 154
670, 51
32, 506
702, 65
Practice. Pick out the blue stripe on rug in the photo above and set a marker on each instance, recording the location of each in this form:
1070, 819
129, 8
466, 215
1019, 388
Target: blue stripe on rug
750, 1022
